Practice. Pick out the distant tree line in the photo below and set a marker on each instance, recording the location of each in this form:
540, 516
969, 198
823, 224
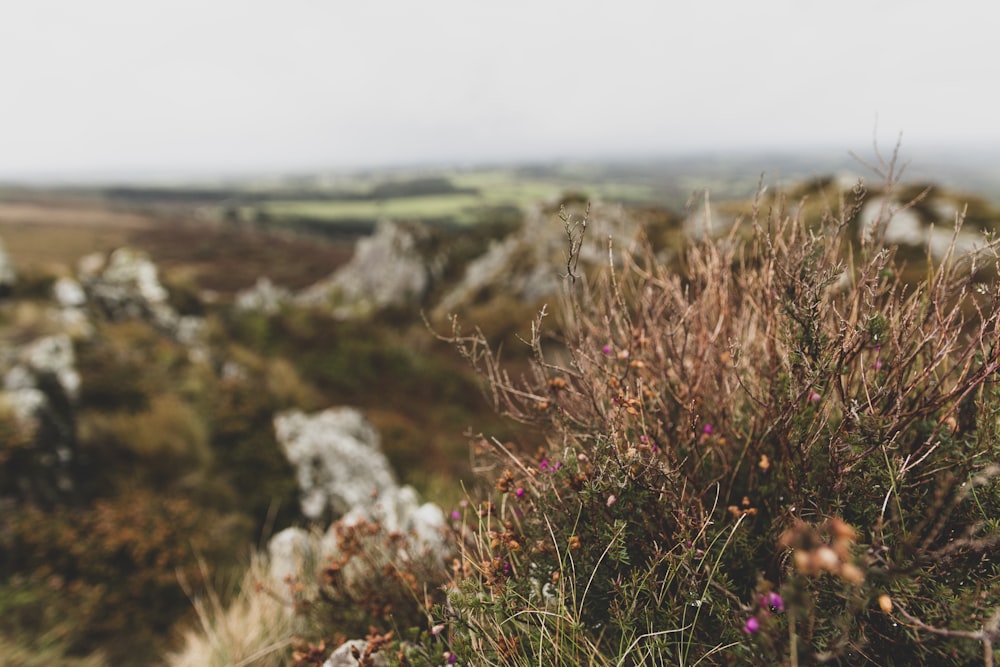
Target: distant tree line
415, 187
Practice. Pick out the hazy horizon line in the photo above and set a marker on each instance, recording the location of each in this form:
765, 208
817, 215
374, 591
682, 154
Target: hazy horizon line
929, 157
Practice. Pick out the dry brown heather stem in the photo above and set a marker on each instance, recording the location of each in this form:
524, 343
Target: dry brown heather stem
786, 343
719, 329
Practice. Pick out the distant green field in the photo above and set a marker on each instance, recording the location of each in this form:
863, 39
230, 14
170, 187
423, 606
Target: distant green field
496, 188
458, 207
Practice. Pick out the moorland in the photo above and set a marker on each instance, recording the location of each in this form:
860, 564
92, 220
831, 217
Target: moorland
176, 479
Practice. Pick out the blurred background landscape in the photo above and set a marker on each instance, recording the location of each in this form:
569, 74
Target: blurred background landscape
211, 213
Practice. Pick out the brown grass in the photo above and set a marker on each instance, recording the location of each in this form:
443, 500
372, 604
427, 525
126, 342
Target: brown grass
51, 237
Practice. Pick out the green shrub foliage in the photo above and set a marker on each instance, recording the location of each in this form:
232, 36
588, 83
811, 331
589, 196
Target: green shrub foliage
777, 453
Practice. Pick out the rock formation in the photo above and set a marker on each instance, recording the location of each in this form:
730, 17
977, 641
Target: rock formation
344, 655
126, 285
341, 470
264, 297
343, 473
931, 227
388, 269
531, 263
8, 275
40, 385
337, 459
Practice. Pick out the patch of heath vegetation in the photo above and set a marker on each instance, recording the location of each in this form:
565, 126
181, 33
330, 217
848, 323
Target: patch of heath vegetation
773, 443
769, 451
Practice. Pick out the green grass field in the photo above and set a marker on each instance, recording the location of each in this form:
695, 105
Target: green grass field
496, 188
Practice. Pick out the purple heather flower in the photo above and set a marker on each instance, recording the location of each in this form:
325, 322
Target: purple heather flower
708, 429
606, 349
877, 365
773, 601
519, 492
437, 629
455, 514
543, 464
450, 657
814, 396
751, 626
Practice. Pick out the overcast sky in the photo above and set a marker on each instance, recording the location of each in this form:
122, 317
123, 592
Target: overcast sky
211, 86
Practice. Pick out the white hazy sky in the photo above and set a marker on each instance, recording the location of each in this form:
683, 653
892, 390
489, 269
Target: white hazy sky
208, 86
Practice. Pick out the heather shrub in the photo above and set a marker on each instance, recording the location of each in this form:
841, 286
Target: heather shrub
774, 446
247, 458
373, 581
103, 576
356, 580
773, 450
164, 441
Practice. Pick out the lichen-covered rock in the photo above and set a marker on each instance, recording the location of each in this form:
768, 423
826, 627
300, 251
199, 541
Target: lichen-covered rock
399, 510
264, 297
931, 227
344, 655
8, 274
388, 269
68, 293
342, 473
531, 263
36, 403
71, 315
126, 285
337, 458
54, 354
289, 554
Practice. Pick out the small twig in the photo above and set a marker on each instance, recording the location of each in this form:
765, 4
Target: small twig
574, 234
989, 632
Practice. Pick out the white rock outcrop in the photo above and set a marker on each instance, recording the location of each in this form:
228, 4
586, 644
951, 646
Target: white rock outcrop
54, 354
8, 274
904, 226
126, 285
337, 459
264, 297
344, 655
68, 293
530, 264
39, 389
387, 269
290, 553
342, 472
